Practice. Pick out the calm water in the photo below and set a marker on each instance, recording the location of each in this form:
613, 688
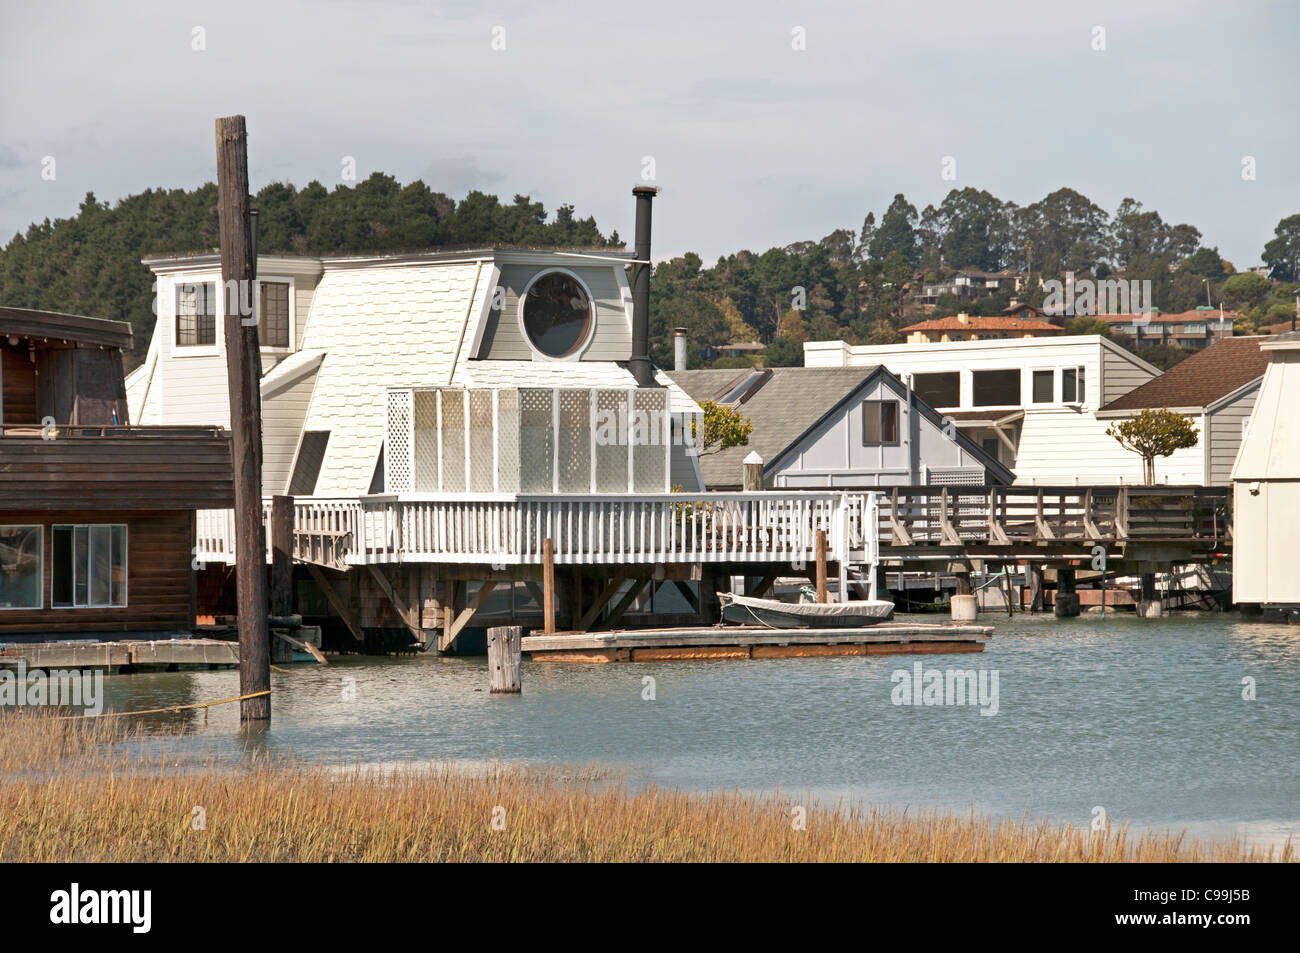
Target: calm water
1145, 719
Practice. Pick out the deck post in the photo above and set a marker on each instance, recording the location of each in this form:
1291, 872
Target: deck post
243, 378
1150, 605
821, 566
503, 643
548, 586
751, 476
281, 570
1067, 600
1035, 575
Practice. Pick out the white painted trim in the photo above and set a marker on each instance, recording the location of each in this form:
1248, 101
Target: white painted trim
579, 350
625, 292
199, 350
485, 312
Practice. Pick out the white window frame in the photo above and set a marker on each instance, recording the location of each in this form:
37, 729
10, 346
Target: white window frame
538, 354
40, 585
1080, 371
293, 313
197, 350
1056, 386
126, 562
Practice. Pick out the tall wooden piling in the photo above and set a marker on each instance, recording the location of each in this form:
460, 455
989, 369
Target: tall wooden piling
243, 376
503, 644
821, 567
548, 586
281, 570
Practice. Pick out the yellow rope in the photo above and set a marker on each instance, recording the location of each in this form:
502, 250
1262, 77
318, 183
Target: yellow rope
155, 711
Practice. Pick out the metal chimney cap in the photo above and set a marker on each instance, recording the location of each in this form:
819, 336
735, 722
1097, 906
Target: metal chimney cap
645, 190
753, 457
681, 331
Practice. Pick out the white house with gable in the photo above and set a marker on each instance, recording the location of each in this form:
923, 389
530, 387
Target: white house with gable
1030, 402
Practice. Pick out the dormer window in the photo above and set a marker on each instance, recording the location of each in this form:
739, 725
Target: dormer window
196, 314
556, 315
273, 323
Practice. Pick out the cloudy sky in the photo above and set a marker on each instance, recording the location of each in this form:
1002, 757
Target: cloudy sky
754, 143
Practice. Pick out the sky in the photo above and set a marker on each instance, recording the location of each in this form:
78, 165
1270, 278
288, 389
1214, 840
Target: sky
767, 123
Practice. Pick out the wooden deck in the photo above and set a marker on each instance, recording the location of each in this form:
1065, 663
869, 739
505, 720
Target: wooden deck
753, 642
154, 653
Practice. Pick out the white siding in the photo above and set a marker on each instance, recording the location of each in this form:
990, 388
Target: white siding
611, 339
282, 418
1069, 447
1120, 375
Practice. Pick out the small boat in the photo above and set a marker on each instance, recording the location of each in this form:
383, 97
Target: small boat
776, 614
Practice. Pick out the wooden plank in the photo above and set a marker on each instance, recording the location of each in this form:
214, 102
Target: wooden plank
462, 620
690, 653
597, 656
336, 603
399, 604
548, 584
821, 567
300, 645
807, 651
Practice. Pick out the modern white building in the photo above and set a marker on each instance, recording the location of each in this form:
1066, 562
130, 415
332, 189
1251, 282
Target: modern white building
1266, 485
1033, 402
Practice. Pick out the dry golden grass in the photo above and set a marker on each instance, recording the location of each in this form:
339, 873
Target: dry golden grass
73, 791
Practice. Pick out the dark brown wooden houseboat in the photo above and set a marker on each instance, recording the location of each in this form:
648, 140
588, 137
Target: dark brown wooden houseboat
96, 516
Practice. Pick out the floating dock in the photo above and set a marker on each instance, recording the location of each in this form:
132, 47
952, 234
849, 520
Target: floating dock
691, 643
165, 654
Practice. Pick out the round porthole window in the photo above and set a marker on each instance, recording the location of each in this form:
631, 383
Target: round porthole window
557, 314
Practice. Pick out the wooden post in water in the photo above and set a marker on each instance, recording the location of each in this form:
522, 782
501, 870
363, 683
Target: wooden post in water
548, 586
281, 570
503, 644
1034, 573
243, 376
821, 567
1067, 599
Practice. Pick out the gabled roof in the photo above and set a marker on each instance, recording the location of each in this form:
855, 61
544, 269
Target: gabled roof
1198, 381
1194, 316
28, 323
788, 406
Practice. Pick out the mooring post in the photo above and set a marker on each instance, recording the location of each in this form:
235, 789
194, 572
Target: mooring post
1035, 575
548, 586
243, 378
1067, 600
1150, 605
281, 570
961, 605
503, 643
821, 566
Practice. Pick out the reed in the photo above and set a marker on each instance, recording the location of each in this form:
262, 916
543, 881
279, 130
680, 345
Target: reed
87, 791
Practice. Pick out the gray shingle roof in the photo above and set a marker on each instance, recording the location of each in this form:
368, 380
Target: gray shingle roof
783, 409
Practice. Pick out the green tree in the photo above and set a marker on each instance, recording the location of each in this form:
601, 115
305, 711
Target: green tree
783, 352
1245, 289
720, 428
1282, 253
897, 231
1154, 433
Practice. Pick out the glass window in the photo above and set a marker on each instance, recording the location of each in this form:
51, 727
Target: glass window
995, 388
273, 323
21, 559
89, 566
196, 315
879, 422
557, 314
1072, 389
1044, 387
938, 390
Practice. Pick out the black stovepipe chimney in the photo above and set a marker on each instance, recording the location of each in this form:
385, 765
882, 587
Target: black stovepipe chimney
640, 364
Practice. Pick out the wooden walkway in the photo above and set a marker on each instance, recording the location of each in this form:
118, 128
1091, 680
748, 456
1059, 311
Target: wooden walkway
690, 643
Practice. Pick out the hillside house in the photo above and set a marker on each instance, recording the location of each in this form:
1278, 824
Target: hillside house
1192, 330
968, 327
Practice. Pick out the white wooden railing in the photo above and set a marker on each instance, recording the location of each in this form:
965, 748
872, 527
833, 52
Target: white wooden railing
508, 529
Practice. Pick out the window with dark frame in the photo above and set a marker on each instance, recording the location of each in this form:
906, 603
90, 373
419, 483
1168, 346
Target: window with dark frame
1044, 387
941, 389
879, 423
21, 569
196, 315
88, 566
995, 388
1072, 385
273, 324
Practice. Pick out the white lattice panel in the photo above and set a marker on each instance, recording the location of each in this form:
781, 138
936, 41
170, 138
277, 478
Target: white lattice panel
574, 441
508, 441
397, 450
482, 459
649, 446
611, 441
453, 441
536, 440
424, 479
